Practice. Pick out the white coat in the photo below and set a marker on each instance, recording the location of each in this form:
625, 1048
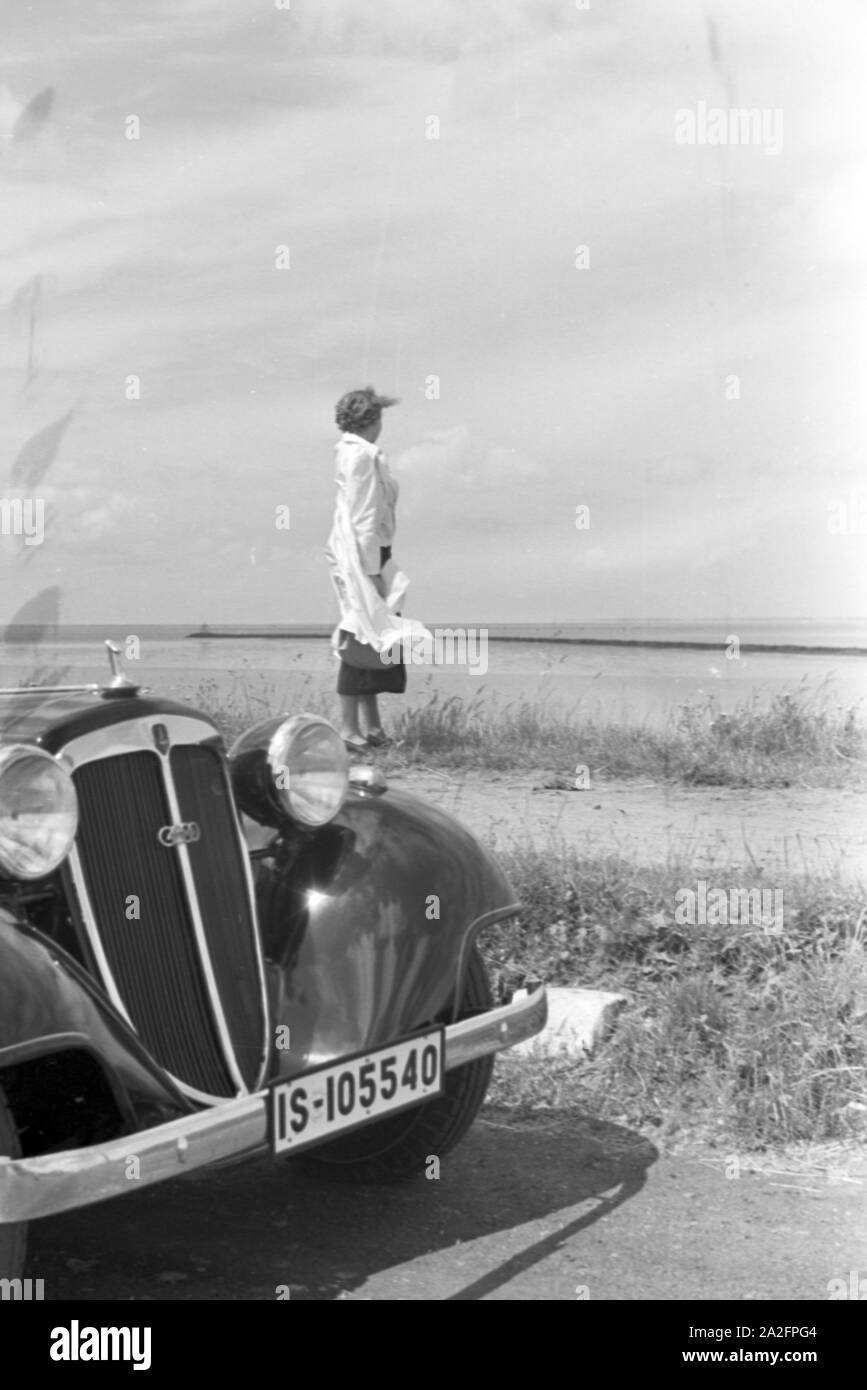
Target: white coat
364, 521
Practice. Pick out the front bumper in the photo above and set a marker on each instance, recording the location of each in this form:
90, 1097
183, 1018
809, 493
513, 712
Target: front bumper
32, 1187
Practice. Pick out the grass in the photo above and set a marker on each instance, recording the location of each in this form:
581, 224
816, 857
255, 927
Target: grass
799, 738
237, 700
731, 1032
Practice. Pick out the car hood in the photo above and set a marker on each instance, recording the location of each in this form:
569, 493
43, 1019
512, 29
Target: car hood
51, 720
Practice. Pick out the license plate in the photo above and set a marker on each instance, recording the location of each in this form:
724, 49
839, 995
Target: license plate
347, 1094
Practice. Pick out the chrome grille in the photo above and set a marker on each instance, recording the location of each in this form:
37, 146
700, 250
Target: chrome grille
204, 797
186, 970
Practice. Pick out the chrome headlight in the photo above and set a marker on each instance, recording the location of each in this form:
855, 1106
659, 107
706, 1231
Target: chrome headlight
295, 766
38, 812
307, 759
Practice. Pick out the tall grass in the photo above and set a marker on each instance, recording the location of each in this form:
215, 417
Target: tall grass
798, 738
239, 699
731, 1031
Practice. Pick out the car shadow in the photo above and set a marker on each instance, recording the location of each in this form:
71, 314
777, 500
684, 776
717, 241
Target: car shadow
514, 1193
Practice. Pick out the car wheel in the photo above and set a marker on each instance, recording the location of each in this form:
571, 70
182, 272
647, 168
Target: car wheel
13, 1239
401, 1146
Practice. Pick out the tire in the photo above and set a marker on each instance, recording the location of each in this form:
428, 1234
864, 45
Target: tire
13, 1239
399, 1147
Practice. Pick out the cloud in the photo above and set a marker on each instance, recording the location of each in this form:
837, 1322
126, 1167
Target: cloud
413, 257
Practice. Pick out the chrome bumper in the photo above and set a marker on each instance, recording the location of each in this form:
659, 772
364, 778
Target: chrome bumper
32, 1187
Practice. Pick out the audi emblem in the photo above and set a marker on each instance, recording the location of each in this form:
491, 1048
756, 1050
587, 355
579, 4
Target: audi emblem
184, 834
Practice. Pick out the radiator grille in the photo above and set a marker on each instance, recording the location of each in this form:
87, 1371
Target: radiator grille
221, 886
155, 961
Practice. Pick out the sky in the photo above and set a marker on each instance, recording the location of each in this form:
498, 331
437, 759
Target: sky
693, 376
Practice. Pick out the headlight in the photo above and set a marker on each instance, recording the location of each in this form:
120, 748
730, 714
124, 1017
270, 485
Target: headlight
38, 812
294, 766
307, 759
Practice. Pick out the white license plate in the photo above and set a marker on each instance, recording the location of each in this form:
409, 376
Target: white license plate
344, 1095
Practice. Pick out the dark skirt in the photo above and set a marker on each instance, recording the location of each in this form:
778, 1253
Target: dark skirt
369, 680
358, 680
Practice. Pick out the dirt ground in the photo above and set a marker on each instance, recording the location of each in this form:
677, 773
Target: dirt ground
810, 830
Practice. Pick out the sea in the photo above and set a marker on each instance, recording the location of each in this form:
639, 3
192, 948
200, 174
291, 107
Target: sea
625, 672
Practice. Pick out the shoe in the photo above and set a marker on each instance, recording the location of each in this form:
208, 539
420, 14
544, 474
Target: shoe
352, 747
379, 741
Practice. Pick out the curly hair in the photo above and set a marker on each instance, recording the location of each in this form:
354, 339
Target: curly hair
357, 409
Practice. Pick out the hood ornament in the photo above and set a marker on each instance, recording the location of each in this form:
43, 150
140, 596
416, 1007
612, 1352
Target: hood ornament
120, 686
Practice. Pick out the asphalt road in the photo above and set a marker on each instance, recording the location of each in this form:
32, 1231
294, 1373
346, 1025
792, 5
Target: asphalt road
556, 1211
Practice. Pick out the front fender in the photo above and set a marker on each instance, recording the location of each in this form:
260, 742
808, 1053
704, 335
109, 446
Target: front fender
369, 923
49, 1005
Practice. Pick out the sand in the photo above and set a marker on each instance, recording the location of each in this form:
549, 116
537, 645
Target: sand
797, 830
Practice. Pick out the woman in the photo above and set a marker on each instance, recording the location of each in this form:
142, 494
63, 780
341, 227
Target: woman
368, 584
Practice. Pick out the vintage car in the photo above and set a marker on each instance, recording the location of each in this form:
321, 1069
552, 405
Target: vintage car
205, 955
